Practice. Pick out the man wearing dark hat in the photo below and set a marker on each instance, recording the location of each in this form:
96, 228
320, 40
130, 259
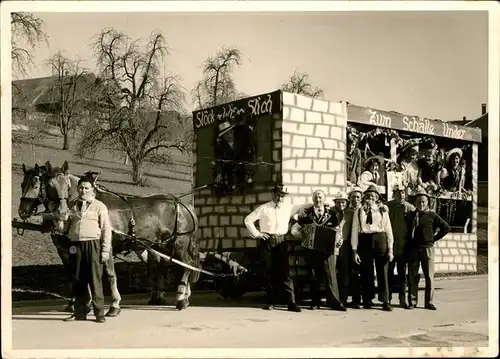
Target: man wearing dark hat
348, 271
399, 209
273, 218
372, 239
422, 227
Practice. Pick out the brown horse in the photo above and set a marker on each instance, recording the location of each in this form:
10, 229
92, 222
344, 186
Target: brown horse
160, 219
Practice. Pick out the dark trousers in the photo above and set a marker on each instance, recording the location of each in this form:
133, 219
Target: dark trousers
424, 257
87, 272
373, 246
348, 274
322, 269
277, 271
401, 279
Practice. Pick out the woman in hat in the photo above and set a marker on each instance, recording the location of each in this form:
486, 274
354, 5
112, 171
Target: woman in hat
372, 239
452, 176
428, 170
354, 160
410, 166
371, 175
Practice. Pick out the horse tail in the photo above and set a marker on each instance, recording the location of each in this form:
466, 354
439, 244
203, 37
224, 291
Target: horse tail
194, 245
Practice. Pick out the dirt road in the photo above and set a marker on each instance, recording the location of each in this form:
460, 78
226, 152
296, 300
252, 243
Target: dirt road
211, 322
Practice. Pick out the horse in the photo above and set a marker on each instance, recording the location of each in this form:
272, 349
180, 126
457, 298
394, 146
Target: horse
160, 219
34, 194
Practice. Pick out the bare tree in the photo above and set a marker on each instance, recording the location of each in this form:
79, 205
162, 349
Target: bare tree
217, 85
27, 33
139, 113
299, 83
69, 93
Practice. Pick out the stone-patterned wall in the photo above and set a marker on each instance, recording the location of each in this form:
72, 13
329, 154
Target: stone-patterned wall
314, 143
456, 252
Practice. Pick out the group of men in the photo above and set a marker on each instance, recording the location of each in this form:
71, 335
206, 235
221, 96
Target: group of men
367, 233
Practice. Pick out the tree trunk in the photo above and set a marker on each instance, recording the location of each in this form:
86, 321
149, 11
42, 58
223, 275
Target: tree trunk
137, 172
66, 141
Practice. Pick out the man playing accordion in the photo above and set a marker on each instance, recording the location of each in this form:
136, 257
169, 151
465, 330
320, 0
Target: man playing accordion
321, 234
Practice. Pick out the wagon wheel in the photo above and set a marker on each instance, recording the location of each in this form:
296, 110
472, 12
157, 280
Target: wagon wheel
232, 287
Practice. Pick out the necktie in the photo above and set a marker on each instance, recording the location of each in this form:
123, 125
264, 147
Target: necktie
369, 217
84, 206
415, 224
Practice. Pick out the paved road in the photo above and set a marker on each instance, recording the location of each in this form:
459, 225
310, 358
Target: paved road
210, 322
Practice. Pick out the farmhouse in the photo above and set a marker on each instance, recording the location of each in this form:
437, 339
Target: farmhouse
41, 96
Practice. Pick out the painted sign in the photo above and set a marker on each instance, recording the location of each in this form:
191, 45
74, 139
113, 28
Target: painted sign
424, 126
254, 106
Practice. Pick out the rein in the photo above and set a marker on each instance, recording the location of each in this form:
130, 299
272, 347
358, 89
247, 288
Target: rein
177, 202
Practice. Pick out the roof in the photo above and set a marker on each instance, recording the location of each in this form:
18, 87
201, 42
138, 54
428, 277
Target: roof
480, 122
38, 91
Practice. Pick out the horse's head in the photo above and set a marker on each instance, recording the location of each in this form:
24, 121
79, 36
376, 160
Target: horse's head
58, 188
33, 191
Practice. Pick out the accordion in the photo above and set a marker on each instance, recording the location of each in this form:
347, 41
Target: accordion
321, 238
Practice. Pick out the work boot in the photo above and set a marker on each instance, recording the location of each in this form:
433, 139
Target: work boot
402, 303
293, 307
113, 312
338, 307
75, 317
430, 306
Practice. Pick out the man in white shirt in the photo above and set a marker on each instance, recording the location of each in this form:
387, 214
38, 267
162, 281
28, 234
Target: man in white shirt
273, 218
372, 239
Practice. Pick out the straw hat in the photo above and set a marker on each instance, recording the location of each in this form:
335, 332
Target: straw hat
451, 152
341, 196
354, 190
224, 127
376, 158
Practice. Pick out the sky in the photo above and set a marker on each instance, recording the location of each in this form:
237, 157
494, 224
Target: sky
430, 64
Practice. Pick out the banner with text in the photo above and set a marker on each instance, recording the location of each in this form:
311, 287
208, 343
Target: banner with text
265, 104
424, 126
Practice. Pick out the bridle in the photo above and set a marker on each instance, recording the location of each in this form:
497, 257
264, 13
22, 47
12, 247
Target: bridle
42, 195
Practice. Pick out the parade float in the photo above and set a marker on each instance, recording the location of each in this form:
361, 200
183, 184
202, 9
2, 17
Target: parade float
243, 147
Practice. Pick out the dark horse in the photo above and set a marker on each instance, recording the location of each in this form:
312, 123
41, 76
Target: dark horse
160, 219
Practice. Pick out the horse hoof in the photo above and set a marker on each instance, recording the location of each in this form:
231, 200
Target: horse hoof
153, 301
182, 304
113, 312
70, 308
